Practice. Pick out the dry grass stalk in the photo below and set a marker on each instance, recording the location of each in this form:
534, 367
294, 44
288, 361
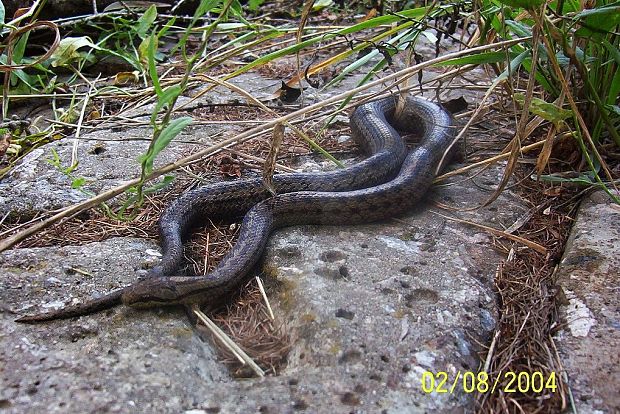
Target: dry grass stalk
249, 323
106, 195
523, 341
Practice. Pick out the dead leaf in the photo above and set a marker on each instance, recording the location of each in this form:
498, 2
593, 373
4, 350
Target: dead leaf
124, 78
270, 162
545, 153
5, 141
229, 166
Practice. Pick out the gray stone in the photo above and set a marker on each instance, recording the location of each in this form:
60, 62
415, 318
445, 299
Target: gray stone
108, 155
589, 279
369, 308
115, 362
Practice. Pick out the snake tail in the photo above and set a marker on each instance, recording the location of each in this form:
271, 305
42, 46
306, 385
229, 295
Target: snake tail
95, 305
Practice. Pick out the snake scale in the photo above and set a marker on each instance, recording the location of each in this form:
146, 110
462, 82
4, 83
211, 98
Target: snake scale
387, 183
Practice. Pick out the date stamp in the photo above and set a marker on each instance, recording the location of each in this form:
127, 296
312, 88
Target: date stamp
480, 382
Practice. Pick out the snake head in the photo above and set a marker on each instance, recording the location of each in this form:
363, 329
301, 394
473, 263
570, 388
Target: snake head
155, 291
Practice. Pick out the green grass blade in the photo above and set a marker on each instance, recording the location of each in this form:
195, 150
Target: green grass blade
371, 23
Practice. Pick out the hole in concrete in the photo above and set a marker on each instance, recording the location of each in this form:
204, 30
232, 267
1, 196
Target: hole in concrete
213, 410
387, 291
364, 245
331, 256
409, 270
5, 403
350, 356
329, 273
300, 405
293, 381
385, 358
344, 272
343, 313
406, 368
375, 377
405, 284
98, 149
350, 398
421, 295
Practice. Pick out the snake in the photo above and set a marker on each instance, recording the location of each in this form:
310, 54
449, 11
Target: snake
389, 182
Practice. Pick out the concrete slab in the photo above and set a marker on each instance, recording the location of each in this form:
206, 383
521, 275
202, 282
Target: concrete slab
589, 277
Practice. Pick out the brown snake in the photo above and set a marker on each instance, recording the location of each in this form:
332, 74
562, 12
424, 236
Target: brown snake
371, 190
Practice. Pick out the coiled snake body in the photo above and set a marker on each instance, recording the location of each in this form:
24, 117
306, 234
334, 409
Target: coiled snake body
386, 184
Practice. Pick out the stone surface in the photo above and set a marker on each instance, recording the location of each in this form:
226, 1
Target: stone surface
118, 361
370, 309
589, 276
108, 155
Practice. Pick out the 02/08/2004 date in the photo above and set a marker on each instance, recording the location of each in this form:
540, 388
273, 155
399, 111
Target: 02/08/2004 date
511, 382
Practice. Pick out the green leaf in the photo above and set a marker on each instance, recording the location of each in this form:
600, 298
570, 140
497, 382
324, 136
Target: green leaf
78, 182
158, 186
519, 28
2, 13
167, 97
20, 48
204, 7
146, 21
525, 4
253, 5
545, 110
151, 49
167, 135
170, 132
55, 160
321, 4
513, 65
27, 80
368, 24
67, 51
598, 21
477, 59
613, 50
400, 41
583, 179
166, 27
